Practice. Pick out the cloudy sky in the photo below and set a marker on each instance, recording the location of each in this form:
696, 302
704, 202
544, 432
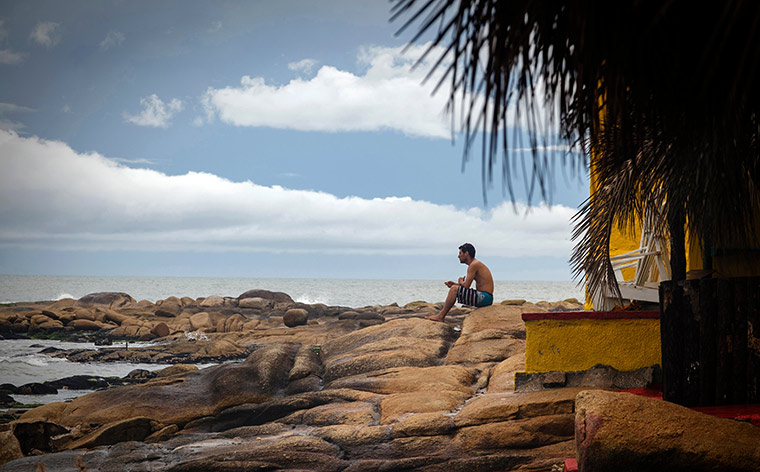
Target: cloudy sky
263, 139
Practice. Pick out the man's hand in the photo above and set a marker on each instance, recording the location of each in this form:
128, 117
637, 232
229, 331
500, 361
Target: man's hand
449, 283
460, 280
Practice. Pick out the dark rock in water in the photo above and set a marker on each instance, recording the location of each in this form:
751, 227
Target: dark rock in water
6, 400
10, 388
295, 317
139, 375
267, 295
50, 350
103, 342
36, 345
111, 299
80, 382
36, 388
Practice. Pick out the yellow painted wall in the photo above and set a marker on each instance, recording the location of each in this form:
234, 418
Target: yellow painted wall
576, 345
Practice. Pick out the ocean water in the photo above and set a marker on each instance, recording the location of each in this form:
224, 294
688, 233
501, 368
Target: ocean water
21, 362
342, 292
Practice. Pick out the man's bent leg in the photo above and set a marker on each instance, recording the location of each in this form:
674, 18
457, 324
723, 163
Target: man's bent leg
451, 298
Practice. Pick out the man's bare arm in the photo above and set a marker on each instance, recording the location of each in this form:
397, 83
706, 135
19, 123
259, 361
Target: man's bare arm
472, 270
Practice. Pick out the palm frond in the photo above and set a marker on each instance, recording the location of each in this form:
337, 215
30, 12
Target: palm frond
664, 94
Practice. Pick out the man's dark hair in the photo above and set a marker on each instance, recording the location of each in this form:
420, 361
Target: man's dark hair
468, 248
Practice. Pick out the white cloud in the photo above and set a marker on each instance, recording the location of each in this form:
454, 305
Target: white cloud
388, 95
155, 112
47, 34
9, 57
305, 65
87, 201
112, 39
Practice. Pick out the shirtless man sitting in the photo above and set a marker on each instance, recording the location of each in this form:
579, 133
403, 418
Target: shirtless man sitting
460, 291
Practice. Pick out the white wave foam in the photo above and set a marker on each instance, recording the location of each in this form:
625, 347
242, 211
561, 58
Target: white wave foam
311, 300
196, 336
63, 295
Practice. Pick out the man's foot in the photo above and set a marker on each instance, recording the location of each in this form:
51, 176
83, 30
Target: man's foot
435, 318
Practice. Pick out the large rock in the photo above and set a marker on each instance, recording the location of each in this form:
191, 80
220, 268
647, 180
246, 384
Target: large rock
489, 334
178, 401
108, 299
400, 343
495, 407
257, 303
277, 297
295, 317
502, 377
625, 432
161, 330
212, 301
448, 378
10, 449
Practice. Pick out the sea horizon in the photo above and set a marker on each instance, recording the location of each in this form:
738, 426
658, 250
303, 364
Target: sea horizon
354, 292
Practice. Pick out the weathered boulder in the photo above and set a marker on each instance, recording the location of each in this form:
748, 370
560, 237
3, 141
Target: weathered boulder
502, 377
625, 432
256, 303
295, 317
175, 369
498, 407
277, 297
412, 379
336, 413
489, 334
109, 299
398, 405
202, 321
398, 343
212, 301
161, 330
131, 429
179, 400
231, 324
10, 449
86, 325
518, 434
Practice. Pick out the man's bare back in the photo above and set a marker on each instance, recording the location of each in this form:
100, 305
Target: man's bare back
482, 276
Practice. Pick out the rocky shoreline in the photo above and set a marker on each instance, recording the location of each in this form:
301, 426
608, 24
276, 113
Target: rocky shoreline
317, 387
335, 389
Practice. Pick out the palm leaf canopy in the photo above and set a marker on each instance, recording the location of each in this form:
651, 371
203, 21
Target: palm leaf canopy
663, 94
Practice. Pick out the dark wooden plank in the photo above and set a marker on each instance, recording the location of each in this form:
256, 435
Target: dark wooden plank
753, 340
690, 343
670, 300
739, 340
707, 307
724, 371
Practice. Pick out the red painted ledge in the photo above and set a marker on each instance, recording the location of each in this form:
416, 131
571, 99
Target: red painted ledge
591, 315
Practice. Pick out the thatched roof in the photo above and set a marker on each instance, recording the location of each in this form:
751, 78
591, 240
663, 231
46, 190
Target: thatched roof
664, 95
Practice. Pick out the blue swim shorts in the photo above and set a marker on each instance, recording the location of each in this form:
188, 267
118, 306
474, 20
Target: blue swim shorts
471, 297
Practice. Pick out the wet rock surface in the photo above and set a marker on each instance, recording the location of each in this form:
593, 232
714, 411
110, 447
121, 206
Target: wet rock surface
352, 389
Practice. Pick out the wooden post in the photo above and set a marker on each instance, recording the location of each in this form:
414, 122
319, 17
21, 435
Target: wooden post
739, 340
724, 370
753, 340
710, 331
707, 308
